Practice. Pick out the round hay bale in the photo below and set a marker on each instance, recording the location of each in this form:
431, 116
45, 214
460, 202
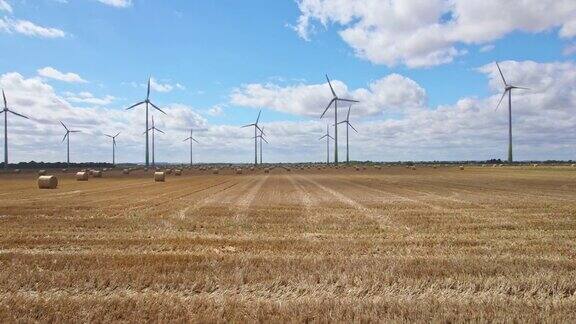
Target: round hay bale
126, 171
82, 176
413, 167
17, 171
97, 174
168, 171
266, 170
357, 168
47, 182
159, 176
64, 170
41, 172
461, 167
535, 165
215, 171
251, 168
145, 169
238, 171
435, 167
288, 169
483, 165
573, 165
178, 172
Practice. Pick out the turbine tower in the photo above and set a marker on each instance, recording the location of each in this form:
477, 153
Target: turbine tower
348, 126
256, 129
148, 103
113, 147
328, 137
508, 90
192, 140
153, 129
261, 137
67, 137
334, 101
5, 111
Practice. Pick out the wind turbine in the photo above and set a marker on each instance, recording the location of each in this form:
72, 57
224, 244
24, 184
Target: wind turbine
192, 140
67, 137
147, 102
261, 137
256, 129
334, 101
348, 125
153, 129
508, 89
113, 147
328, 137
6, 110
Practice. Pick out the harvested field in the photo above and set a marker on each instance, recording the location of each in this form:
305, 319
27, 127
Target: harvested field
484, 244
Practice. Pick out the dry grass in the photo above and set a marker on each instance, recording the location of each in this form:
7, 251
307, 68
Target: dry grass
481, 244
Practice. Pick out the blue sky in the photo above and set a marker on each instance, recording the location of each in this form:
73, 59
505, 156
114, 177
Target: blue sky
204, 51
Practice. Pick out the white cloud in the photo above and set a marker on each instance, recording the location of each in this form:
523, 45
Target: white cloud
156, 86
52, 73
117, 3
216, 111
389, 94
89, 98
487, 48
5, 6
29, 28
421, 33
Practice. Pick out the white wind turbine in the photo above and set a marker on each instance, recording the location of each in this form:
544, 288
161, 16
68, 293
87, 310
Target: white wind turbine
67, 137
113, 147
192, 140
327, 137
508, 90
335, 100
147, 102
5, 111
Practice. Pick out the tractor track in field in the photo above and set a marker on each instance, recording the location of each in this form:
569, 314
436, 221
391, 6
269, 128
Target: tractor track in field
366, 211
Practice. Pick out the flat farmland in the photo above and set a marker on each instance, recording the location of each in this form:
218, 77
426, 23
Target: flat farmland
482, 244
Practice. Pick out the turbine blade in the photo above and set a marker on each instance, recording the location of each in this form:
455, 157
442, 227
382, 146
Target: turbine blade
160, 130
501, 74
248, 125
258, 119
153, 105
353, 127
342, 122
64, 126
64, 138
265, 140
75, 131
328, 107
323, 137
330, 84
501, 98
148, 93
186, 139
258, 128
109, 136
5, 102
17, 114
522, 88
348, 115
117, 135
348, 100
331, 137
135, 105
195, 140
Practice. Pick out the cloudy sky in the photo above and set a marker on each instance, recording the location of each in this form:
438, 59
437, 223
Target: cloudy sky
423, 70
